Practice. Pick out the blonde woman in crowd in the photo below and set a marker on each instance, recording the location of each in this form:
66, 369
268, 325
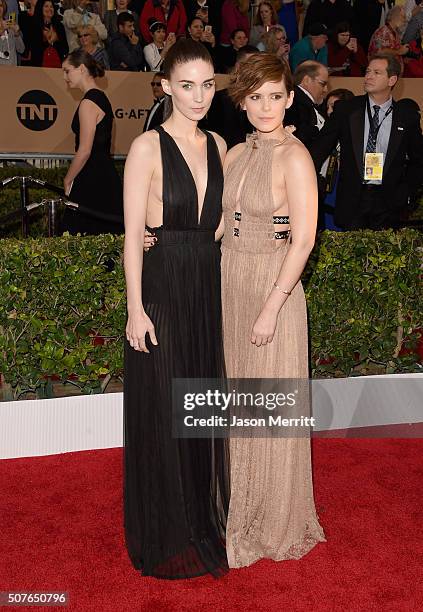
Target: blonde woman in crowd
275, 41
80, 16
89, 42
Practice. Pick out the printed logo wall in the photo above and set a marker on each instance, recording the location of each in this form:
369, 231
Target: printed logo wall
36, 110
37, 107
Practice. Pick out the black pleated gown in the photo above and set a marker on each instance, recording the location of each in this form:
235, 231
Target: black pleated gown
176, 490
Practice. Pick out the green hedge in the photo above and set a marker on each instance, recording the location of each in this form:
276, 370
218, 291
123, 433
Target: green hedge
61, 297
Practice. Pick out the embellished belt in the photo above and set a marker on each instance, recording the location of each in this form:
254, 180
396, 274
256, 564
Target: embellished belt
276, 220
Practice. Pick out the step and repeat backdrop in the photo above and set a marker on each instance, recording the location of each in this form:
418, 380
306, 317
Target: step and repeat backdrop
37, 107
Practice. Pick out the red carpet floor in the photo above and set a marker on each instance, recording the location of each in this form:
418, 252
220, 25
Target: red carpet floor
61, 529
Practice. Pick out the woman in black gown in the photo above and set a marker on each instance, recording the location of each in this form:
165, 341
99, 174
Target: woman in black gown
175, 490
92, 180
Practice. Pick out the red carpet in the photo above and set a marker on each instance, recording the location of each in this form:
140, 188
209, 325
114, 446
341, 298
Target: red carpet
61, 530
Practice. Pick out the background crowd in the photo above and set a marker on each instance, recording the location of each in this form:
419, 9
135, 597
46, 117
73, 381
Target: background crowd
136, 34
316, 37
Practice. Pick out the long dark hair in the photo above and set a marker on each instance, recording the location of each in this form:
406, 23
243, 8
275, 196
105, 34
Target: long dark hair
79, 57
341, 27
183, 51
38, 13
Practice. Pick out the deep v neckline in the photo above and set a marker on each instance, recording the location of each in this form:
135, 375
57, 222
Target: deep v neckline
199, 214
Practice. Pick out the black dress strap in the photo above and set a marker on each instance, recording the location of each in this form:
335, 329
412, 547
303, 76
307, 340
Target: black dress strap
180, 197
98, 97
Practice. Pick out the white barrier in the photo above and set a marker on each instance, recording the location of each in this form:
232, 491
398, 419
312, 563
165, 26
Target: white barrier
51, 426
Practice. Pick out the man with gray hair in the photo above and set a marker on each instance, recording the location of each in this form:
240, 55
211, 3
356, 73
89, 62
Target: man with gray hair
311, 85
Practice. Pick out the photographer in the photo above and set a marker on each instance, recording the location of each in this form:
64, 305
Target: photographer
11, 41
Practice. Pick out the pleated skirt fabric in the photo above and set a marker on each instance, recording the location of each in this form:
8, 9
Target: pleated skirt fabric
175, 490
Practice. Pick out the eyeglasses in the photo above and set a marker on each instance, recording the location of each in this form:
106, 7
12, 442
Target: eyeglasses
155, 84
83, 35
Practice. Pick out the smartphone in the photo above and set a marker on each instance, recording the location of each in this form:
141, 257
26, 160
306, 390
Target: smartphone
208, 28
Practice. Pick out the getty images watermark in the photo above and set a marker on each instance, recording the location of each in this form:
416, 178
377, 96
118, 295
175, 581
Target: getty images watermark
204, 408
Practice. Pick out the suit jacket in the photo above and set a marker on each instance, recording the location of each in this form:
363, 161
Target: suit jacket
227, 120
303, 116
403, 166
123, 51
154, 116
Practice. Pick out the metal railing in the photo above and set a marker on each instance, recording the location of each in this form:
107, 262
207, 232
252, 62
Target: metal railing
50, 204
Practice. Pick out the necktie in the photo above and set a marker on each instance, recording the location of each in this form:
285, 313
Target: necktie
374, 124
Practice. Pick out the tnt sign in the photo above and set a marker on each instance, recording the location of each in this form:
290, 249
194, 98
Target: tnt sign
36, 110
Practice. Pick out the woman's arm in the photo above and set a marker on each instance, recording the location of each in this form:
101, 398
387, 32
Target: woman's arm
222, 148
99, 26
302, 196
227, 159
61, 44
89, 114
152, 57
72, 19
19, 43
139, 169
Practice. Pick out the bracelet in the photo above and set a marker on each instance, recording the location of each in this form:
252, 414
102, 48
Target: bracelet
283, 290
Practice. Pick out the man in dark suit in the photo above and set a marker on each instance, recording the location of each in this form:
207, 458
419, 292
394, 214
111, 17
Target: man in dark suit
155, 114
311, 84
223, 116
381, 159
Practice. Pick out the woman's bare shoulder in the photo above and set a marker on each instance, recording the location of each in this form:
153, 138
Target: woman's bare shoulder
235, 152
145, 144
293, 151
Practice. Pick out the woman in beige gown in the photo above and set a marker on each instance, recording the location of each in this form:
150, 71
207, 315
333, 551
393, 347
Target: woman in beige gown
269, 205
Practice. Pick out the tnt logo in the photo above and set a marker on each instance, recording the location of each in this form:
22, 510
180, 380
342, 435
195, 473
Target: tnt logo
36, 110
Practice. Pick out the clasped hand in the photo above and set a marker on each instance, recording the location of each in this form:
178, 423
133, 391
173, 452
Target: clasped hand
137, 327
264, 328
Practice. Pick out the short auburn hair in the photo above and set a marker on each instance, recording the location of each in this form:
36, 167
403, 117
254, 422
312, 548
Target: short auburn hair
260, 68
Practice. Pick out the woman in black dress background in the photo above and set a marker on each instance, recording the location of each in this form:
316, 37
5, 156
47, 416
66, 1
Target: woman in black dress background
175, 489
92, 180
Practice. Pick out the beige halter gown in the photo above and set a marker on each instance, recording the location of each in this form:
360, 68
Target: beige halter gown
271, 513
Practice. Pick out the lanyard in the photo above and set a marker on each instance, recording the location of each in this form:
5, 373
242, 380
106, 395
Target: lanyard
375, 131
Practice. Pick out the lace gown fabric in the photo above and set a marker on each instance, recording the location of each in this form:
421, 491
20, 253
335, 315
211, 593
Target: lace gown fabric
176, 490
271, 513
